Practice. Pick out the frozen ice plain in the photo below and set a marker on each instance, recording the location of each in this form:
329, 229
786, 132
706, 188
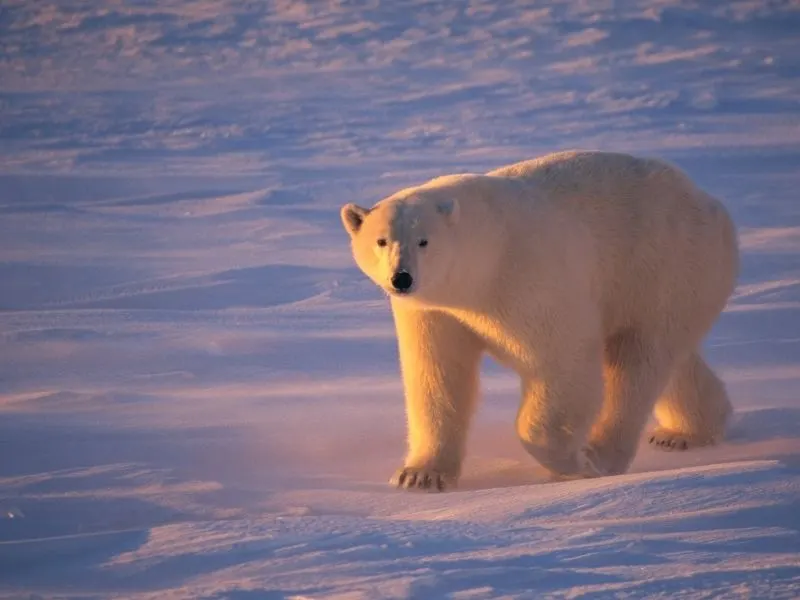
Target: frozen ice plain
199, 392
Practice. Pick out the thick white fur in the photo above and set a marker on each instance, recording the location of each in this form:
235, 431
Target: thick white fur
593, 275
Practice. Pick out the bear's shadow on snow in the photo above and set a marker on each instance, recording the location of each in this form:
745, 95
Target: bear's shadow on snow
747, 427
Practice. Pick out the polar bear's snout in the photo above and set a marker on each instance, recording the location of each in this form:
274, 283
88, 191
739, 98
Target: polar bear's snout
402, 281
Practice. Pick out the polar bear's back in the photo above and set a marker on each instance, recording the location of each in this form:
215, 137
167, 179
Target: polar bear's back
595, 174
660, 242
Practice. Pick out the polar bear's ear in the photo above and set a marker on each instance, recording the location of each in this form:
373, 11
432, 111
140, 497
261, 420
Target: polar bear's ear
352, 217
448, 208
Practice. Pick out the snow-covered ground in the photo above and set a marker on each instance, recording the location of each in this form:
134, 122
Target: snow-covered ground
199, 393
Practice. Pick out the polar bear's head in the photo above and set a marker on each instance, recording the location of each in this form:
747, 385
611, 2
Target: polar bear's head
404, 244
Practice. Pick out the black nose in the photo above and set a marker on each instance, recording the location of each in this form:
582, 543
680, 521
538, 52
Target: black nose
402, 281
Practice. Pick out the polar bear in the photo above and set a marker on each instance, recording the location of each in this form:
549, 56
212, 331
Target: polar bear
593, 275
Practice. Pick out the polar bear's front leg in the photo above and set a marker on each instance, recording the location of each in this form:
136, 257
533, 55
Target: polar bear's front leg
440, 365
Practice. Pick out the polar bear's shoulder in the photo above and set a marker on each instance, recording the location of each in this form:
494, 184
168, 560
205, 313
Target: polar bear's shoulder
450, 181
530, 166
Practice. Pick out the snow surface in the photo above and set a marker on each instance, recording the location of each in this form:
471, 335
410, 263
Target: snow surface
199, 393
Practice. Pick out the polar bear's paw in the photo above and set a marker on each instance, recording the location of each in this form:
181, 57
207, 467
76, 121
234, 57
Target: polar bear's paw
581, 464
604, 459
421, 478
590, 463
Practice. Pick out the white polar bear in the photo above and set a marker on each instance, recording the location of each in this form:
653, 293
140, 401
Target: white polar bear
594, 275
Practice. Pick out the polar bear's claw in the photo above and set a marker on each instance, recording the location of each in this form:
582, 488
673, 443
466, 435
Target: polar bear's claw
410, 478
669, 440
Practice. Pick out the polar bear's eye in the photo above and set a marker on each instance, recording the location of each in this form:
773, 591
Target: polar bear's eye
381, 242
423, 243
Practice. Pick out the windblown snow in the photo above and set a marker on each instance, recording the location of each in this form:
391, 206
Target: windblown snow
199, 392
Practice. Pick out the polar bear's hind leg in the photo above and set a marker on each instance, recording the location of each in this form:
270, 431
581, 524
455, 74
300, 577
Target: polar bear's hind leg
636, 371
694, 409
556, 413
